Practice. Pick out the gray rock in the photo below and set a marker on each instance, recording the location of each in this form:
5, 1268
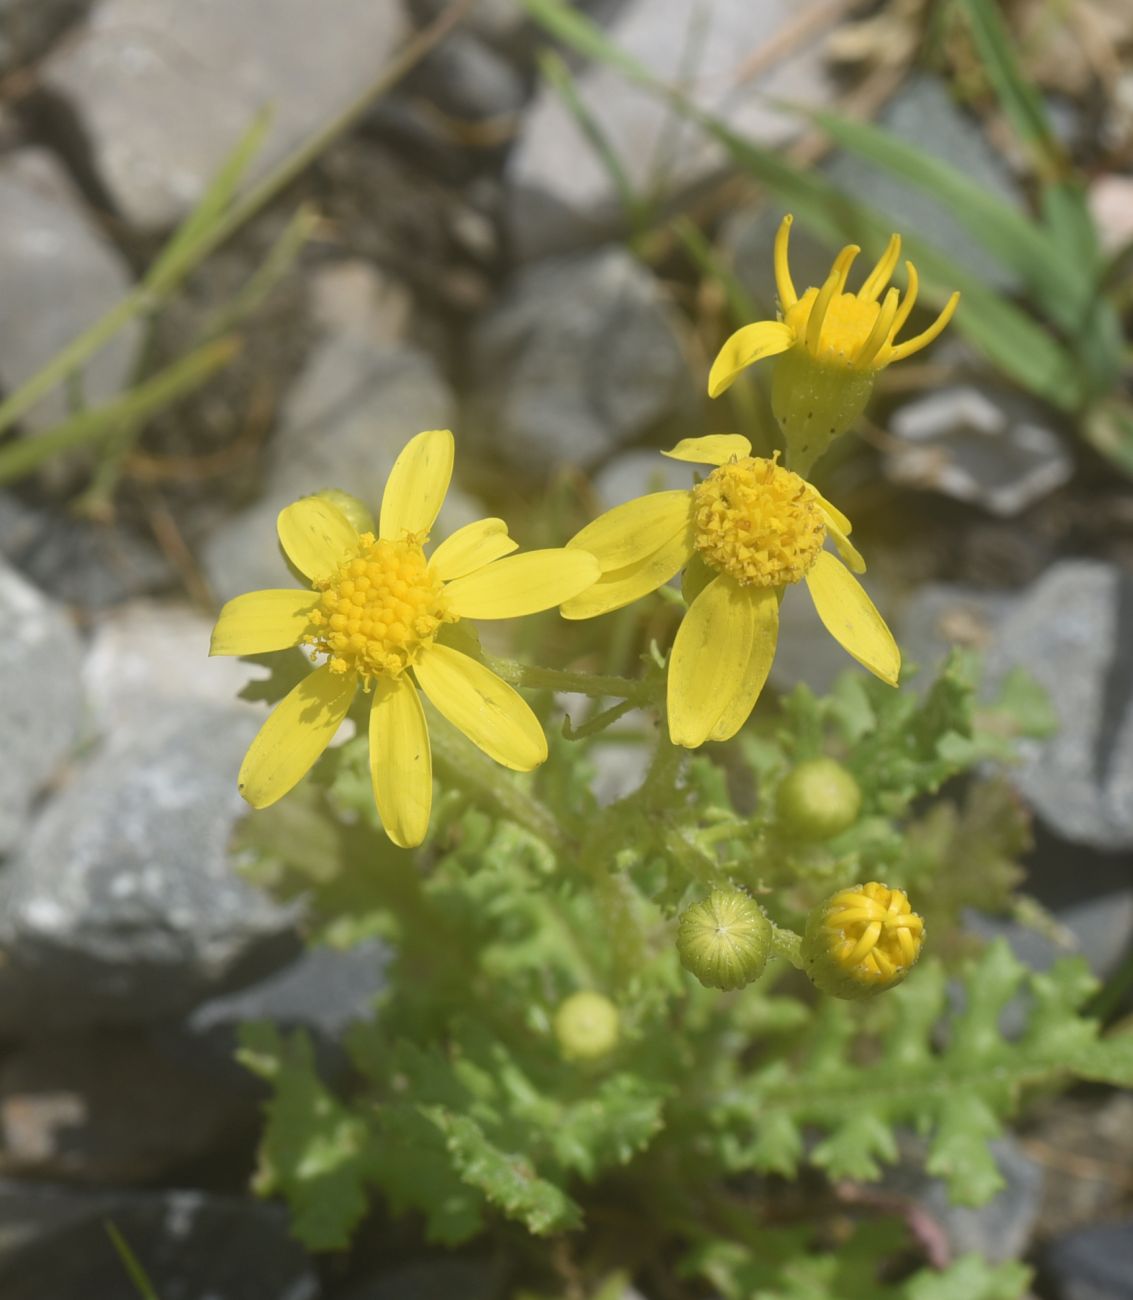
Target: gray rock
27, 27
353, 297
581, 356
88, 565
563, 194
60, 274
145, 657
111, 1109
635, 473
925, 114
1072, 630
1092, 1263
123, 907
351, 410
41, 704
500, 22
465, 78
939, 616
1111, 205
974, 446
1001, 1229
193, 1245
164, 89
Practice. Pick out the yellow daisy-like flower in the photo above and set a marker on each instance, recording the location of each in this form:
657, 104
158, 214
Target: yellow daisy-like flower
376, 611
862, 941
743, 535
831, 344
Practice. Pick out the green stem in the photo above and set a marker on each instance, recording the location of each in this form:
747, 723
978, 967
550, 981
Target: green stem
597, 685
147, 297
788, 945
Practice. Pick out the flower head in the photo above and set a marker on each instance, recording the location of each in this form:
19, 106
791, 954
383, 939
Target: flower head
861, 941
747, 532
831, 344
724, 940
376, 613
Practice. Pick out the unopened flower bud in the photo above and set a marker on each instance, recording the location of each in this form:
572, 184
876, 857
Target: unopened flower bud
818, 799
351, 507
861, 941
814, 402
724, 940
586, 1026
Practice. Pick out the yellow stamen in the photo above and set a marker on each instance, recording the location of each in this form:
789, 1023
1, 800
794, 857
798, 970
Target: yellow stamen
878, 278
783, 282
922, 340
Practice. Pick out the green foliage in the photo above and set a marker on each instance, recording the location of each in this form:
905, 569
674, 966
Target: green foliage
464, 1110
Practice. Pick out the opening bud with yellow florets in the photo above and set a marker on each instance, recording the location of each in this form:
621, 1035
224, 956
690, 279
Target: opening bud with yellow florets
830, 345
861, 941
724, 940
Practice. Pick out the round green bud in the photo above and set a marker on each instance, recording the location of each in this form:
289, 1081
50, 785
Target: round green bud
818, 799
861, 941
586, 1026
724, 940
351, 507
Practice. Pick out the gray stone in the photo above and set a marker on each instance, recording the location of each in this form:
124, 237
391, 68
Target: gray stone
939, 617
345, 419
563, 194
81, 563
635, 473
465, 78
355, 298
1092, 1263
193, 1246
1072, 631
41, 706
924, 113
123, 906
60, 274
114, 1109
1001, 1229
1111, 205
974, 446
501, 22
581, 356
164, 89
145, 657
27, 27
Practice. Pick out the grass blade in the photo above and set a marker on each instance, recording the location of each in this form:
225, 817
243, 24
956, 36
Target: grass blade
134, 1270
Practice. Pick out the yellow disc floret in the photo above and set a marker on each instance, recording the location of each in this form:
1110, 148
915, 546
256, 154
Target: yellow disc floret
862, 940
758, 523
378, 609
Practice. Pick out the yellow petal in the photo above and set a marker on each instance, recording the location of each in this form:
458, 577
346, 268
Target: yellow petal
316, 536
764, 604
622, 587
470, 548
713, 449
486, 709
417, 484
636, 529
260, 621
297, 731
833, 513
709, 659
401, 764
766, 338
522, 584
846, 549
852, 619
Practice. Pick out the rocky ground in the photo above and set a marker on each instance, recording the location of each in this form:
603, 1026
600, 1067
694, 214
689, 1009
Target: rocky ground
469, 269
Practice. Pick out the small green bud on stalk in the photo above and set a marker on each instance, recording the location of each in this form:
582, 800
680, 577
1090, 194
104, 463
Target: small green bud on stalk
724, 940
862, 941
818, 799
586, 1026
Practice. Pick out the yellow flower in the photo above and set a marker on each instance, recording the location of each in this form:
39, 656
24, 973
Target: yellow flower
742, 536
834, 344
862, 941
376, 613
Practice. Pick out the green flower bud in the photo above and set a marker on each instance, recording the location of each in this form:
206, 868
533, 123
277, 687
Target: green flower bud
818, 799
861, 941
586, 1026
814, 402
724, 940
351, 507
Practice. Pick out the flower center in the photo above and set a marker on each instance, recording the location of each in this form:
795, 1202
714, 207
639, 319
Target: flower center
846, 326
378, 609
877, 934
757, 522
